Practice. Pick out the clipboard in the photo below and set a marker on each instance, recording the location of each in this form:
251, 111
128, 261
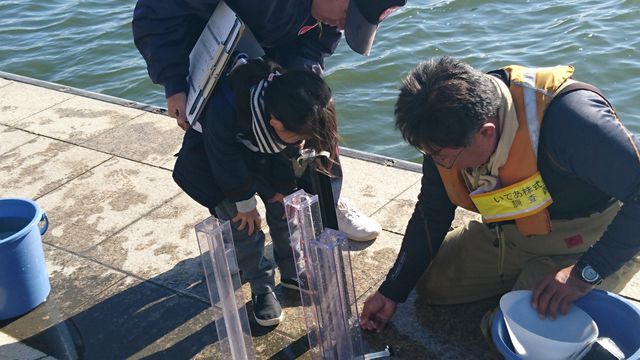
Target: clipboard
209, 57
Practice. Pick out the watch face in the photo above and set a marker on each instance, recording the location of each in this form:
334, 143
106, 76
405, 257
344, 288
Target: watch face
589, 274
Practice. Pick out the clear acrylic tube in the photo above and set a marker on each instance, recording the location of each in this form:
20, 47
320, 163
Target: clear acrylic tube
224, 284
324, 270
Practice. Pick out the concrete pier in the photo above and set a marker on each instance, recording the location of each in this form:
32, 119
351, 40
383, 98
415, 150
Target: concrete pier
121, 250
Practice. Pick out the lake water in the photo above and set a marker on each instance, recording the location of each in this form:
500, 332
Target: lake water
88, 44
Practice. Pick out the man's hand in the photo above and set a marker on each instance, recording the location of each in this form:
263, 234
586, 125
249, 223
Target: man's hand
177, 109
378, 310
558, 290
251, 219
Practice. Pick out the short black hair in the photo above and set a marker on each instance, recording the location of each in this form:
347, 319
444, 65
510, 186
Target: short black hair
443, 102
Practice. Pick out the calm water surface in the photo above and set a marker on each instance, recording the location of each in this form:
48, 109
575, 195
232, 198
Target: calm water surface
88, 44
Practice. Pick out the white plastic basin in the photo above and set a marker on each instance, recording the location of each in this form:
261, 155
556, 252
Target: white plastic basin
535, 338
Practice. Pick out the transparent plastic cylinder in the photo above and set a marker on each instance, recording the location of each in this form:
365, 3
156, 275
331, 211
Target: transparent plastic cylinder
328, 292
224, 284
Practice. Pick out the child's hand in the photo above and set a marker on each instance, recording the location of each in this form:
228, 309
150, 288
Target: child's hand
251, 218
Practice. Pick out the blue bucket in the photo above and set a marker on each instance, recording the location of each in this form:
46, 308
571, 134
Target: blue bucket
616, 318
24, 283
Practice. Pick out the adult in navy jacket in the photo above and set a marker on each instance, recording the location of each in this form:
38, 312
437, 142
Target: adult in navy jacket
293, 33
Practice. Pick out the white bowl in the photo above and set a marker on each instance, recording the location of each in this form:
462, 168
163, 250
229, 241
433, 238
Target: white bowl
535, 338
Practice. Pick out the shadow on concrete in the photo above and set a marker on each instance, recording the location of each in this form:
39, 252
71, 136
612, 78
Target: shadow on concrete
294, 350
130, 318
126, 317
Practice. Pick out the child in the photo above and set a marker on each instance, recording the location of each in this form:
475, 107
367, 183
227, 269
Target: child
257, 119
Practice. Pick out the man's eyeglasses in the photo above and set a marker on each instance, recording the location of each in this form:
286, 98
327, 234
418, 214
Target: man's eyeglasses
438, 159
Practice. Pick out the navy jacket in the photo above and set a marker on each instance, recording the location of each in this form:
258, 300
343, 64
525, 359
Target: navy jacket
165, 31
214, 165
587, 160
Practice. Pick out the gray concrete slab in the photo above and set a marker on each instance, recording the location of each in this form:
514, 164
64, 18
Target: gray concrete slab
150, 138
169, 164
75, 282
368, 185
12, 349
422, 331
130, 319
19, 101
276, 346
632, 289
161, 246
395, 215
77, 119
42, 165
103, 201
11, 138
372, 261
4, 82
138, 319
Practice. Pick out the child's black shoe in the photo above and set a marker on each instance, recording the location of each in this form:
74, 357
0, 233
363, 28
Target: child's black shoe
266, 309
296, 283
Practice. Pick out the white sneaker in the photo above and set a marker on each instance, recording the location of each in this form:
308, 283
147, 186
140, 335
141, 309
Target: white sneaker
354, 223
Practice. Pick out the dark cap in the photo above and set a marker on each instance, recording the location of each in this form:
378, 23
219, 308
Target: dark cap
363, 17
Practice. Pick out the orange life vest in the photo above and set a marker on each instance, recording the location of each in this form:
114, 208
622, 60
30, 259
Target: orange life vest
532, 89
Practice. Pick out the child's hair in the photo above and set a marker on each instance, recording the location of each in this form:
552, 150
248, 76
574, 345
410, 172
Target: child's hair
300, 99
242, 79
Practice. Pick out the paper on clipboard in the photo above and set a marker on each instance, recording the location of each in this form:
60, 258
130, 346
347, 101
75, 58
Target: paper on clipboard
209, 57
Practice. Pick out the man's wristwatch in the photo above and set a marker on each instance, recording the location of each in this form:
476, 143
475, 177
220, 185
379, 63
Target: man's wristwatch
586, 273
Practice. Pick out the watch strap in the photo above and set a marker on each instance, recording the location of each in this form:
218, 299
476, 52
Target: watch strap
585, 272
